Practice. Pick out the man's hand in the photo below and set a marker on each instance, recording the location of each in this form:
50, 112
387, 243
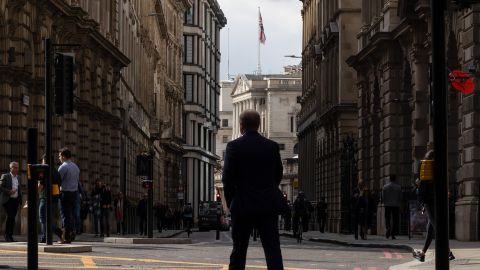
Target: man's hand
12, 191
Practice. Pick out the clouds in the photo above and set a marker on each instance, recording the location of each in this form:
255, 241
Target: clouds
283, 27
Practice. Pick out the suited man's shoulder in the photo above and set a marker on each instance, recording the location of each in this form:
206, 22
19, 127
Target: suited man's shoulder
5, 176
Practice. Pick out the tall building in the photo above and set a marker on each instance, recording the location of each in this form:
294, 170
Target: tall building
275, 98
201, 79
224, 134
130, 52
395, 120
328, 118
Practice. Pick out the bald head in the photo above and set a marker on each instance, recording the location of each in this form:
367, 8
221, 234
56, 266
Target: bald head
249, 120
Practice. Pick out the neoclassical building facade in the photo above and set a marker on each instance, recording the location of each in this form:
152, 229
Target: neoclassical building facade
328, 117
274, 97
395, 119
201, 79
120, 80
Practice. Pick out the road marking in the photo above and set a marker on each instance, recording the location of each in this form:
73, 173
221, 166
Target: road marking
88, 262
154, 261
387, 254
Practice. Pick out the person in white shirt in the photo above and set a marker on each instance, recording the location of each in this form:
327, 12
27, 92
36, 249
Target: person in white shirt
10, 198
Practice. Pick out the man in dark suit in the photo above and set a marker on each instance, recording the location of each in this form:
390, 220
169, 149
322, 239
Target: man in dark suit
10, 198
251, 175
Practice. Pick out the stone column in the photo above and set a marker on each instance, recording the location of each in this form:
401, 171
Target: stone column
420, 93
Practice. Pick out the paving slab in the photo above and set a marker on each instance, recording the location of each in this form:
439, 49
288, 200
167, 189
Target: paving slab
128, 240
55, 248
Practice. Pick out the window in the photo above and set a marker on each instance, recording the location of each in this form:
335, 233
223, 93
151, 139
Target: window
224, 122
225, 139
189, 16
188, 49
281, 146
188, 84
292, 124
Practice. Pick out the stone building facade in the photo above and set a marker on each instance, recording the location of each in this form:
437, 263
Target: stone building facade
395, 124
224, 134
275, 98
201, 79
120, 76
328, 118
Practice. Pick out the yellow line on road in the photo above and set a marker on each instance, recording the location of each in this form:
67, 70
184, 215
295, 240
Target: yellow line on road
88, 262
223, 266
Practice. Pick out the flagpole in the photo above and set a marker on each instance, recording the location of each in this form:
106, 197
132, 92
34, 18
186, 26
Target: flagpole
259, 68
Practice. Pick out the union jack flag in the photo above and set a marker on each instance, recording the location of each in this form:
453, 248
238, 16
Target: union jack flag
262, 36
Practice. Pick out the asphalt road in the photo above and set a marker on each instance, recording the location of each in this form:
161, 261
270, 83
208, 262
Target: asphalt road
208, 253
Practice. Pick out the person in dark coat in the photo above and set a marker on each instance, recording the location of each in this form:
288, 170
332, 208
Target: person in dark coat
142, 214
322, 214
251, 175
106, 207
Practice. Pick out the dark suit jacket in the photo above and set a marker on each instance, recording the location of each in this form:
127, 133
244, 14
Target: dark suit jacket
6, 186
251, 174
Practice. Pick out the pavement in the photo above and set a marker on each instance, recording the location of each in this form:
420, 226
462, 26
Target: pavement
467, 253
84, 242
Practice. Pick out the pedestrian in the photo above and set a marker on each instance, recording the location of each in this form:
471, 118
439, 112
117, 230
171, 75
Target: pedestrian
70, 175
354, 211
188, 216
106, 206
363, 212
251, 175
118, 203
160, 216
96, 207
80, 196
322, 214
287, 217
10, 198
142, 214
302, 208
426, 194
42, 205
392, 199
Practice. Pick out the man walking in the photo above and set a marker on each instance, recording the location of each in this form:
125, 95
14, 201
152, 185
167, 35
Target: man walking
392, 199
10, 198
251, 175
322, 214
70, 174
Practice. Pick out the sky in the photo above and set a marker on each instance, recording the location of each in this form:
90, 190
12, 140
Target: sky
282, 22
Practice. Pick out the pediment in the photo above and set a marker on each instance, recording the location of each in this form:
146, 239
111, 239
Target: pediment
241, 85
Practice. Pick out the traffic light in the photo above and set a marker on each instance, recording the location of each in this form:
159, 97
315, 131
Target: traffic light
64, 68
37, 172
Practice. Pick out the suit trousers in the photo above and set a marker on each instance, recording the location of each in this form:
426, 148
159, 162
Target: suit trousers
68, 200
242, 227
392, 226
11, 208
